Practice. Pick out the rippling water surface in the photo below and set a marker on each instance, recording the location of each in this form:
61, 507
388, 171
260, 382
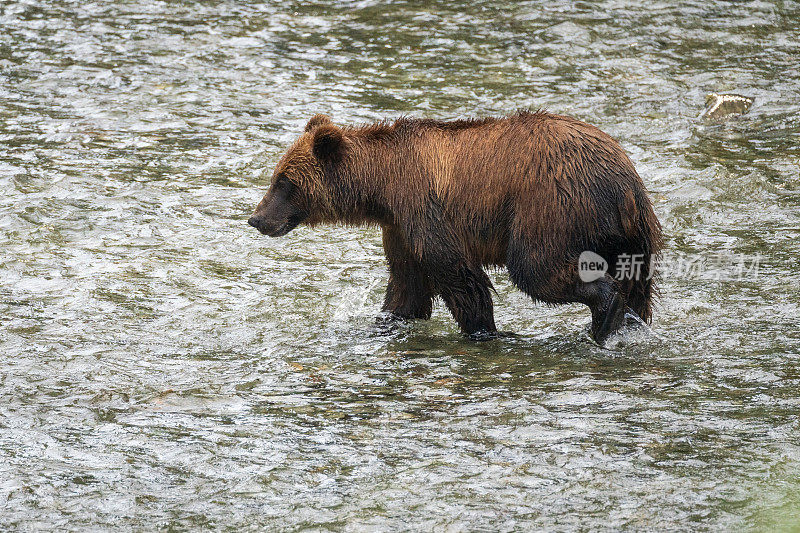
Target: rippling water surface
164, 365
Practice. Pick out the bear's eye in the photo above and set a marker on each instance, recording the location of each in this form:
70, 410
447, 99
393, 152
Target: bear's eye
284, 186
282, 182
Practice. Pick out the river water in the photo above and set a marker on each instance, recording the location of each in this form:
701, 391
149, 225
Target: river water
162, 365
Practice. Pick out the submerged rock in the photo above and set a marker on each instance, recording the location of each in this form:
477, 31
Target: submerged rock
723, 105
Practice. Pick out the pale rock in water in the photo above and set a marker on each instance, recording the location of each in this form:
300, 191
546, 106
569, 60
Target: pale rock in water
722, 105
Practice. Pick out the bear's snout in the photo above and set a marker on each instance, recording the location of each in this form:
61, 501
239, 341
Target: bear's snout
272, 228
261, 225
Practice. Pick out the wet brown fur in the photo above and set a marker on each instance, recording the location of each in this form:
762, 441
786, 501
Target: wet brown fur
530, 191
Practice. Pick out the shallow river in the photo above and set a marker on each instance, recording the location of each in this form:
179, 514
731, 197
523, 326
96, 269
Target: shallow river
162, 365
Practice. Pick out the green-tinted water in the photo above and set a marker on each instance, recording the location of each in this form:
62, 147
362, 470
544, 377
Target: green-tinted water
164, 365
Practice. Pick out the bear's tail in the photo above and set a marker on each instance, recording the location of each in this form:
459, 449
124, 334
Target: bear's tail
643, 249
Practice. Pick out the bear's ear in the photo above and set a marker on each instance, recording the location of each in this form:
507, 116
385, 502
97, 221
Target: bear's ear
317, 120
327, 142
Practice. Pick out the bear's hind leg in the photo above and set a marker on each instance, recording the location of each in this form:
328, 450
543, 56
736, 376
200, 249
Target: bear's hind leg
561, 284
607, 303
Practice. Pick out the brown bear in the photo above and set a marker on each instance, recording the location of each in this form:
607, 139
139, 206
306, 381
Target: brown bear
530, 191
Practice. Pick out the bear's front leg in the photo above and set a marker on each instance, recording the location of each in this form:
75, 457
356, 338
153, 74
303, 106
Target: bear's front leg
463, 285
467, 293
409, 293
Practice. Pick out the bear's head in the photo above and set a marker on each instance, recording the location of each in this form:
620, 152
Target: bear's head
300, 188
